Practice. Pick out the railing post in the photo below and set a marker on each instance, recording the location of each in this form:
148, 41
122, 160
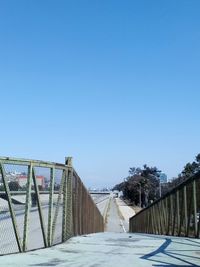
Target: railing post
27, 206
185, 209
64, 215
11, 209
195, 207
50, 213
68, 162
39, 208
58, 207
164, 206
177, 212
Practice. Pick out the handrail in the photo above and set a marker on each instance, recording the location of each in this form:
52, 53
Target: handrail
38, 217
177, 213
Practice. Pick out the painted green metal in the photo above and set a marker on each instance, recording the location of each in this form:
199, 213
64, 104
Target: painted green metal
62, 185
64, 220
50, 214
27, 162
195, 207
40, 210
27, 206
69, 225
177, 213
79, 214
11, 209
185, 209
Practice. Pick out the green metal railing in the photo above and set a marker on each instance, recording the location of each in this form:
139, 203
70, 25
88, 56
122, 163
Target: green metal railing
43, 204
177, 213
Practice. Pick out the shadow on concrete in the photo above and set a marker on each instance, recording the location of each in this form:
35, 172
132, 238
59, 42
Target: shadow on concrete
174, 254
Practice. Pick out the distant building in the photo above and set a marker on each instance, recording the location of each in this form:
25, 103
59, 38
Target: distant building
22, 180
163, 178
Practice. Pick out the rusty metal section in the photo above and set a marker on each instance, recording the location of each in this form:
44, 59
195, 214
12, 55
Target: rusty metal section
176, 214
43, 204
86, 216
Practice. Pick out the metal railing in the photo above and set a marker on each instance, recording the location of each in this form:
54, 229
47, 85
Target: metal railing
43, 204
177, 213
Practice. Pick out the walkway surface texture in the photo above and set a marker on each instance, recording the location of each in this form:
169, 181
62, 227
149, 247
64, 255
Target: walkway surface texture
114, 248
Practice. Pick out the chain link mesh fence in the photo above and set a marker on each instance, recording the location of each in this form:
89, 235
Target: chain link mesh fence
42, 204
177, 213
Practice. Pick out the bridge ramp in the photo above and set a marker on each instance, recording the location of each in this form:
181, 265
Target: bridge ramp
113, 250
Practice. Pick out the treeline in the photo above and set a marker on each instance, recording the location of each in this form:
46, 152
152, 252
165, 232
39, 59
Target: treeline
142, 186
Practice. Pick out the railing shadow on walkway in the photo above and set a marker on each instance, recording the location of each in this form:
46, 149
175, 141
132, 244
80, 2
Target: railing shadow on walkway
179, 255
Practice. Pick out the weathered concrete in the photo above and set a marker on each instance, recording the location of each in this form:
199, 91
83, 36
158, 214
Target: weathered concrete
102, 205
126, 212
113, 250
114, 219
117, 249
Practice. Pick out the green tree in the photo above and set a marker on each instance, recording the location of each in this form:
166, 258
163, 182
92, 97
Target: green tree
141, 185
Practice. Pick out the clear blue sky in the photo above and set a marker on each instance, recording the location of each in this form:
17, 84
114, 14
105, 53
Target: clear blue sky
114, 84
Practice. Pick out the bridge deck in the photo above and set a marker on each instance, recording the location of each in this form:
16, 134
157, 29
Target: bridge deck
113, 249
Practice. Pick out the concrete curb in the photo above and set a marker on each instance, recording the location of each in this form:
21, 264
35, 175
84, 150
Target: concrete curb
126, 211
106, 210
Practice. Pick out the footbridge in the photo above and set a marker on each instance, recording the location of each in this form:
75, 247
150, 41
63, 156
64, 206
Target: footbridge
48, 218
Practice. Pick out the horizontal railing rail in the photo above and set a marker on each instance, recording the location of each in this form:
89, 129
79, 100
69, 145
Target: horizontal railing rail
43, 204
177, 213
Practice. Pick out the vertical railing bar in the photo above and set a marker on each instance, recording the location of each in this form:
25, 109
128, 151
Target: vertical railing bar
39, 208
13, 218
64, 217
189, 215
81, 208
27, 206
178, 211
74, 203
73, 208
185, 209
172, 214
169, 214
159, 218
153, 220
69, 221
57, 206
77, 206
151, 216
162, 216
181, 208
149, 223
165, 214
195, 207
51, 195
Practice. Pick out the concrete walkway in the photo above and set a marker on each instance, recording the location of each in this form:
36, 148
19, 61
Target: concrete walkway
125, 210
126, 213
114, 218
113, 250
